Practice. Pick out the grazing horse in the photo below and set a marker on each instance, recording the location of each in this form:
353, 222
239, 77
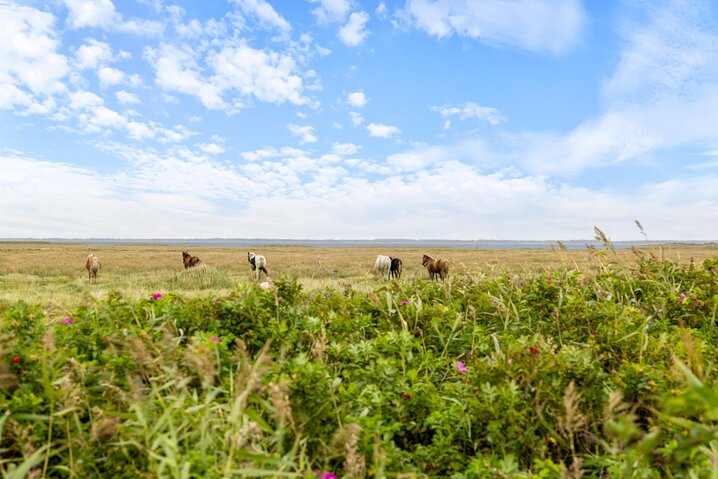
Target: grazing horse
189, 260
382, 264
436, 267
395, 268
258, 263
93, 267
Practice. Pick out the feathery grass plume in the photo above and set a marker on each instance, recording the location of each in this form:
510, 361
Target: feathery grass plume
601, 236
693, 353
202, 361
561, 245
572, 422
640, 227
346, 444
320, 345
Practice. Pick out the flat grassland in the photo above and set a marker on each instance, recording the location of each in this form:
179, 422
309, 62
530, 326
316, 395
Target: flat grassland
54, 274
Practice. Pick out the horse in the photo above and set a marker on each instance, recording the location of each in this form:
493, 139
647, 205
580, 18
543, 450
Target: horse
436, 267
258, 263
93, 266
189, 260
395, 268
382, 264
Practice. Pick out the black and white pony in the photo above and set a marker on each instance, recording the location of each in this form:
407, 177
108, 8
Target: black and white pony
388, 266
258, 263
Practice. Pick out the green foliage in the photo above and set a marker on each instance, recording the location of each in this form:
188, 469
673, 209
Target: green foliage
605, 373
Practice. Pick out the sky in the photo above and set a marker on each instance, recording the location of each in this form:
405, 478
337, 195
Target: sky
348, 119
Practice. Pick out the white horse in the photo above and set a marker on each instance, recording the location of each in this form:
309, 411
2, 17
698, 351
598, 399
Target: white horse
382, 265
93, 267
258, 263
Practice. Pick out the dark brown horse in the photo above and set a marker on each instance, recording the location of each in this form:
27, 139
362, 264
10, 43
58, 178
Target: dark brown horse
436, 267
189, 260
395, 268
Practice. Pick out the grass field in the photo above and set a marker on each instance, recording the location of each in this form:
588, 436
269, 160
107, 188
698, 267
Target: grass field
55, 274
525, 364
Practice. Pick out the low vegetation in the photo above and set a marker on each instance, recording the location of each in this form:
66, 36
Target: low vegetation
605, 368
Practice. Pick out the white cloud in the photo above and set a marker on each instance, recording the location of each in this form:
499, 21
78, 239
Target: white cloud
354, 33
553, 26
93, 54
266, 14
306, 133
211, 148
127, 98
381, 10
381, 130
472, 110
357, 99
357, 119
102, 14
268, 75
344, 149
264, 74
91, 13
332, 11
84, 99
109, 76
29, 61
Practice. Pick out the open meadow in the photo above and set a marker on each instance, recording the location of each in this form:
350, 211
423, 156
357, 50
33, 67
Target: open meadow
525, 363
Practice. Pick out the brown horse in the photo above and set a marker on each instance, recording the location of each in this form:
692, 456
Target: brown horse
436, 267
93, 266
189, 260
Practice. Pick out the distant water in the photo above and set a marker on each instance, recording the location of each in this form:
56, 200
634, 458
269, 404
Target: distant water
479, 244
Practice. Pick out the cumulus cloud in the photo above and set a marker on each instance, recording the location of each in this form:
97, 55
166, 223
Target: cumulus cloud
263, 74
265, 13
102, 14
332, 11
381, 130
354, 32
552, 26
357, 99
30, 65
92, 54
305, 133
472, 110
127, 98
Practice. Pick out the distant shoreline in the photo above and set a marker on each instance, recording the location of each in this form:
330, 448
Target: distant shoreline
332, 243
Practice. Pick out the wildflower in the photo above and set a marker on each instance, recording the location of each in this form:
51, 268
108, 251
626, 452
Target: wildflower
324, 474
214, 339
67, 321
404, 303
594, 332
533, 349
548, 279
406, 395
682, 298
218, 303
510, 360
461, 367
552, 440
156, 296
16, 359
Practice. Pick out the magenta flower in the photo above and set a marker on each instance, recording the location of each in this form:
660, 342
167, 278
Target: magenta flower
461, 367
214, 339
404, 303
510, 360
682, 298
548, 279
156, 296
218, 303
67, 321
325, 474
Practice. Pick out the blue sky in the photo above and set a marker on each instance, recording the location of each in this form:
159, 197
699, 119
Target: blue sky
451, 119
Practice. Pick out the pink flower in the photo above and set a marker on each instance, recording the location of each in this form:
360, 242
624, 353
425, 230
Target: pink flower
67, 321
218, 303
682, 298
548, 279
214, 339
461, 367
327, 475
510, 360
156, 296
404, 303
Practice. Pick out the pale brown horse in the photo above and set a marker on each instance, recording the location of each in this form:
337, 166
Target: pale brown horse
436, 267
189, 260
93, 266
